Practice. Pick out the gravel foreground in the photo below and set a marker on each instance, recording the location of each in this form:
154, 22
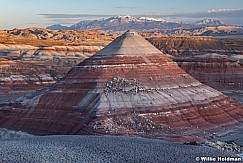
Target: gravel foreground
97, 149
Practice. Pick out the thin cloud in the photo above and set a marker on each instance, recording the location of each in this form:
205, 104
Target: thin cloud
223, 13
125, 7
65, 21
222, 10
70, 19
72, 16
229, 16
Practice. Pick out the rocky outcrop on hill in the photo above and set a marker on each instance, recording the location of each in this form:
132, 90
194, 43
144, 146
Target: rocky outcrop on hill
128, 88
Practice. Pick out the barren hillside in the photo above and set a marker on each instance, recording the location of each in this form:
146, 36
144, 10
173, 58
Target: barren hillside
45, 37
192, 45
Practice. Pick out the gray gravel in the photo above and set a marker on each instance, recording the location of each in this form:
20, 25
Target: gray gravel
68, 149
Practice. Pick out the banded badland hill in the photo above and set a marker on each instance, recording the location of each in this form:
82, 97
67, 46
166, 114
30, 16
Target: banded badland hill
40, 57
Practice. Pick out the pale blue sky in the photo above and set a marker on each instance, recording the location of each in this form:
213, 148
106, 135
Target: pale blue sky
28, 13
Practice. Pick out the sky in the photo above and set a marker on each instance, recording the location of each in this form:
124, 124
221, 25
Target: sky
42, 13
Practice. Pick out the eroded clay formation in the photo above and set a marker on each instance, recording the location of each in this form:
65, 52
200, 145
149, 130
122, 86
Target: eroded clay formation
28, 52
221, 72
127, 88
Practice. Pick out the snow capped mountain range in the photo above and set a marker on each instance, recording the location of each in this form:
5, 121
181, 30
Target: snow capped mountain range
120, 24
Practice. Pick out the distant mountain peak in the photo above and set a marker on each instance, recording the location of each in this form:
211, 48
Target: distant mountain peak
209, 22
57, 27
123, 17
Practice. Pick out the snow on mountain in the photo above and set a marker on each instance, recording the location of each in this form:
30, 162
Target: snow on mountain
209, 22
152, 19
122, 23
